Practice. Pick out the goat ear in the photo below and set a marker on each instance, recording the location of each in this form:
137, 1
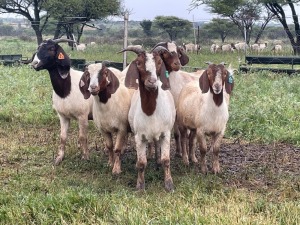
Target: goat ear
204, 82
84, 84
63, 63
113, 82
131, 76
164, 77
229, 82
184, 59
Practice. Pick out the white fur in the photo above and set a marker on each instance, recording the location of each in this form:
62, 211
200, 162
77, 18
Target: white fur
111, 117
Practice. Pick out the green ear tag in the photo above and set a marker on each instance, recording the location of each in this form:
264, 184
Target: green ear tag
230, 79
167, 74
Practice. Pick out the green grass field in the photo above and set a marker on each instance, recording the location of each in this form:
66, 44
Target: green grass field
260, 155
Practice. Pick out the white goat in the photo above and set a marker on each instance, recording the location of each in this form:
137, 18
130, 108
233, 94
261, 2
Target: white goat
67, 98
110, 108
214, 48
277, 48
190, 47
228, 47
152, 111
80, 47
241, 46
203, 108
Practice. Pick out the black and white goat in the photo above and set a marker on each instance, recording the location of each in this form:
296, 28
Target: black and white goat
67, 99
152, 111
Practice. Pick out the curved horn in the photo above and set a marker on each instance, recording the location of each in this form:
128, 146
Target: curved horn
223, 63
62, 40
209, 63
159, 49
133, 49
163, 44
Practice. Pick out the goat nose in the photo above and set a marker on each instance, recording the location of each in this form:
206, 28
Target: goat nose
152, 80
93, 86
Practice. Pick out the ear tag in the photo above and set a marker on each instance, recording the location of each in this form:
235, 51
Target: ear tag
61, 56
230, 79
167, 74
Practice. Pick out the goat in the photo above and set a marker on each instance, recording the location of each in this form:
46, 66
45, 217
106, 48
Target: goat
241, 46
228, 48
277, 48
257, 47
67, 98
80, 47
174, 57
110, 107
152, 111
214, 48
203, 108
190, 47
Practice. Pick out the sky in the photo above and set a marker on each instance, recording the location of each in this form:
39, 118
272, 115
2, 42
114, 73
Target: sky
148, 9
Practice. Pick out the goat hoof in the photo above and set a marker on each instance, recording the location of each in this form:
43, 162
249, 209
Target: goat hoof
204, 170
85, 157
186, 161
178, 154
116, 171
169, 186
58, 160
140, 186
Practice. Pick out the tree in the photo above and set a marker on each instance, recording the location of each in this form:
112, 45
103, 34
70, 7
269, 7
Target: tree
276, 7
146, 25
173, 26
33, 10
243, 13
74, 15
70, 14
220, 26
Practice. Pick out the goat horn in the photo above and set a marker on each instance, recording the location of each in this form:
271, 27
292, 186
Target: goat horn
159, 44
133, 49
159, 49
62, 40
209, 63
223, 63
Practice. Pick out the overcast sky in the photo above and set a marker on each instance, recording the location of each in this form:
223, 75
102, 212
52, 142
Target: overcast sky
148, 9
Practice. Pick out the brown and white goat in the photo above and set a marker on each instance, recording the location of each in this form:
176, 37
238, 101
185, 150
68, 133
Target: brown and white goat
110, 108
203, 108
67, 98
174, 57
152, 111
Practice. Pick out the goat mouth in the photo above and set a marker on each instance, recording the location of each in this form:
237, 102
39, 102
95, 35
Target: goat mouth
175, 67
37, 66
95, 92
217, 90
151, 87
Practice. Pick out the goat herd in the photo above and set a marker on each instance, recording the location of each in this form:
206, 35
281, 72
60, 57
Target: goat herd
151, 98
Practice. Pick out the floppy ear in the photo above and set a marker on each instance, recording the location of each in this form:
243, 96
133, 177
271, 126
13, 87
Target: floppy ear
84, 84
229, 82
204, 82
131, 76
113, 82
184, 59
164, 77
63, 63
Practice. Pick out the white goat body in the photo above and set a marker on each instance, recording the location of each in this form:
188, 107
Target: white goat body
110, 108
204, 111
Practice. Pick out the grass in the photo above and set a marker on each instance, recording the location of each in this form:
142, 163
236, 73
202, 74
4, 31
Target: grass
264, 111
